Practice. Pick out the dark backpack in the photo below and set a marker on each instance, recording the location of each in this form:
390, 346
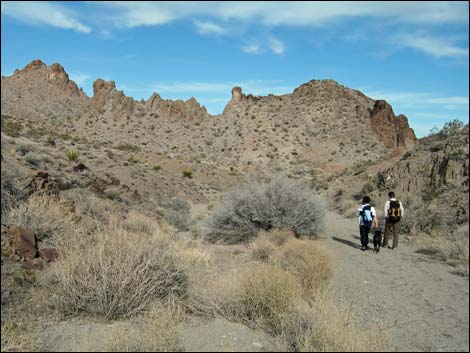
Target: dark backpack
366, 214
394, 211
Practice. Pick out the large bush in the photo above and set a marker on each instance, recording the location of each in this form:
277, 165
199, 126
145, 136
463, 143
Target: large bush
115, 272
278, 204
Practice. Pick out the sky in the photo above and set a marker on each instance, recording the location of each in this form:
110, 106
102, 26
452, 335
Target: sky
412, 54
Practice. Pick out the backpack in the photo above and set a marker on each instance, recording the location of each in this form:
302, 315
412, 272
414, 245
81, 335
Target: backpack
366, 214
394, 211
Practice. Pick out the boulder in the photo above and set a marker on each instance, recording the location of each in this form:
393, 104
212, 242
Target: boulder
21, 240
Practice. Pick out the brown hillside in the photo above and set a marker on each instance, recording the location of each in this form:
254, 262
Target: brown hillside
322, 124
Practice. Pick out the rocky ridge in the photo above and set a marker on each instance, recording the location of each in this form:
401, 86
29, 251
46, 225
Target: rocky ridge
322, 123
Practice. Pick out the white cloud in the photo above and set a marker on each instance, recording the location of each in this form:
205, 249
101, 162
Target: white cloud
292, 13
43, 13
257, 87
192, 87
253, 48
414, 99
209, 28
79, 78
435, 46
276, 46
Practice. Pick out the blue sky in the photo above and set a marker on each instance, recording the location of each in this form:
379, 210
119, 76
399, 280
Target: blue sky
413, 54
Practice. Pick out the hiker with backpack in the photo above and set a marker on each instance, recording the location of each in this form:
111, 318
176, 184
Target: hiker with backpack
393, 214
367, 218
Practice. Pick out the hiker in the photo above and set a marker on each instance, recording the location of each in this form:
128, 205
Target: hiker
393, 214
367, 218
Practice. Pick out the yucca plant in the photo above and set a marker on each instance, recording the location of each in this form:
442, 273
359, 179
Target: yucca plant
72, 155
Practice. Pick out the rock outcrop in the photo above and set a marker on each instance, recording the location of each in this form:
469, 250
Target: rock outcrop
39, 91
321, 122
395, 132
107, 99
175, 109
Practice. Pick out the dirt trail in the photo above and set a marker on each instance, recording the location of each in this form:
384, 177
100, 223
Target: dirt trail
421, 304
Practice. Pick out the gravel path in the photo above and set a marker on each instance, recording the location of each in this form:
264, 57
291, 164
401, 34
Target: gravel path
420, 304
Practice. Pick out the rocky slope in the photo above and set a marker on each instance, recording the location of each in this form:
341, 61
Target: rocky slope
322, 124
432, 180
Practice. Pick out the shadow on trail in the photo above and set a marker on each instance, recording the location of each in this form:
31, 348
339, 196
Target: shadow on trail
347, 242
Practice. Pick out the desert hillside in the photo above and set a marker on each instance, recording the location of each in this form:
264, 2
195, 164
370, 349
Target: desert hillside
154, 226
322, 124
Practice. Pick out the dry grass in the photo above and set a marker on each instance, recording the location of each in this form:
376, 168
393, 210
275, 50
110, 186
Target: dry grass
262, 295
15, 337
115, 273
326, 326
452, 248
155, 332
87, 204
47, 216
121, 268
305, 259
284, 292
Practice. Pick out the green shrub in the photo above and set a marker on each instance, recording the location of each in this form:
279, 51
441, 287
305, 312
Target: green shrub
157, 167
72, 155
187, 173
132, 159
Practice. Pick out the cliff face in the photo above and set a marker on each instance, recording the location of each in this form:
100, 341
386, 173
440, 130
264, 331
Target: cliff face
394, 131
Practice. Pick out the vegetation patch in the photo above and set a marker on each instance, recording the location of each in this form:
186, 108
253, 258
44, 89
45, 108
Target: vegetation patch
278, 204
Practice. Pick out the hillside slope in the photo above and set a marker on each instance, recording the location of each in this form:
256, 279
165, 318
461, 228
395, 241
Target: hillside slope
322, 124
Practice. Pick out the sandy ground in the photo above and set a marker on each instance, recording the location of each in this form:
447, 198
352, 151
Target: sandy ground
421, 305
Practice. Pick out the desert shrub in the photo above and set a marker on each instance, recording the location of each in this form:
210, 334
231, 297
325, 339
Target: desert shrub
327, 326
262, 295
128, 147
86, 203
452, 248
187, 173
23, 149
16, 335
138, 223
50, 141
307, 261
278, 204
114, 273
303, 258
10, 127
33, 159
72, 155
157, 167
154, 332
177, 212
263, 250
49, 217
11, 193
